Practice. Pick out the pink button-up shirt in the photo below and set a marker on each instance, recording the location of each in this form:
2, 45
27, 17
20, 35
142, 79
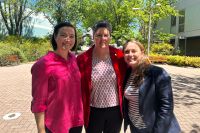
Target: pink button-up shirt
56, 90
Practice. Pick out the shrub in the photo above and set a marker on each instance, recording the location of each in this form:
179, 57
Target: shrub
158, 59
176, 60
21, 49
193, 61
35, 49
162, 48
10, 55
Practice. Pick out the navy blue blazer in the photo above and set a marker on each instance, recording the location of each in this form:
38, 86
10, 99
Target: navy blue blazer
155, 102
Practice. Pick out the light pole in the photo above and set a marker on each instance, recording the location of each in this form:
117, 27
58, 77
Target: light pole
149, 26
149, 35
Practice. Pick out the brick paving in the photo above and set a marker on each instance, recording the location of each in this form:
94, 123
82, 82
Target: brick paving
15, 96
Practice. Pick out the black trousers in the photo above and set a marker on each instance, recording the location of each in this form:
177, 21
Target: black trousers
72, 130
106, 120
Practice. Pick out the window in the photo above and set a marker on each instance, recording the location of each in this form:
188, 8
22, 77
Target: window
173, 20
181, 21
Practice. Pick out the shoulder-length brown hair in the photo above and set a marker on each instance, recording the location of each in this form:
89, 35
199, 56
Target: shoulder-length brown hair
140, 70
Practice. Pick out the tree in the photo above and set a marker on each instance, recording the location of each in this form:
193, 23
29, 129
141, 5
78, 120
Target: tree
14, 13
158, 9
119, 13
57, 11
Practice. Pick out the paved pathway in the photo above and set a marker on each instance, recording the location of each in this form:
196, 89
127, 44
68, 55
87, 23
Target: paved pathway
15, 96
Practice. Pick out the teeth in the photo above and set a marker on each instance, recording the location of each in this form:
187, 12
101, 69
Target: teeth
64, 47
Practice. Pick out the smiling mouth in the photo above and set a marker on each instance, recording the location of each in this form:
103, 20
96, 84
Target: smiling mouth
132, 59
64, 46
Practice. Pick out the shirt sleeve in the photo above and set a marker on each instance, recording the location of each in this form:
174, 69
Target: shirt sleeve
39, 88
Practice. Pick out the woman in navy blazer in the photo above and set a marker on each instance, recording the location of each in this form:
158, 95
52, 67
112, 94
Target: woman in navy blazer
148, 98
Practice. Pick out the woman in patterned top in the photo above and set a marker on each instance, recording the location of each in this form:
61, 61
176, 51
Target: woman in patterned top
102, 69
148, 98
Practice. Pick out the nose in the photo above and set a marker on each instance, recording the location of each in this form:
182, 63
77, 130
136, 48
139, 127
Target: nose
104, 37
67, 38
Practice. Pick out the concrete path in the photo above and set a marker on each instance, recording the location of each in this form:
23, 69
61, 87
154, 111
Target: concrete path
15, 96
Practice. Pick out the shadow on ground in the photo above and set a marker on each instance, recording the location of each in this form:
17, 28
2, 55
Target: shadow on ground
187, 92
189, 87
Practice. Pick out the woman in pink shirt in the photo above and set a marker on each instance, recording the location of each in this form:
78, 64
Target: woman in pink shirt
56, 89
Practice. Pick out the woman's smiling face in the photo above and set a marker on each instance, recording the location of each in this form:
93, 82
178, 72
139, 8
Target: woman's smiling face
65, 39
102, 38
133, 54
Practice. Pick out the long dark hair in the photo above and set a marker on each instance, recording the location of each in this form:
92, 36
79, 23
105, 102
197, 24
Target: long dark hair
55, 33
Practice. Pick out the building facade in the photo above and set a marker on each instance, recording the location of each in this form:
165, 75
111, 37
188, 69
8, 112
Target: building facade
185, 27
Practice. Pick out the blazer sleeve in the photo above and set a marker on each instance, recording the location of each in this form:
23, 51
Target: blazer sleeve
164, 100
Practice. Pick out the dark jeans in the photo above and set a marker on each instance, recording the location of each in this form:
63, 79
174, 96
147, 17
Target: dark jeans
72, 130
106, 120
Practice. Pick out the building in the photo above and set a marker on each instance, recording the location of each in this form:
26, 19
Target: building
186, 27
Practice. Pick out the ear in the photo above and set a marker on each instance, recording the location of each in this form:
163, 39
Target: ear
110, 38
142, 52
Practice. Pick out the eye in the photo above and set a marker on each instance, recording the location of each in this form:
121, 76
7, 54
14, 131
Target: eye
126, 51
72, 36
98, 36
63, 35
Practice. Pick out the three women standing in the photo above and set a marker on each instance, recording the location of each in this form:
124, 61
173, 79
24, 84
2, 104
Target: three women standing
57, 84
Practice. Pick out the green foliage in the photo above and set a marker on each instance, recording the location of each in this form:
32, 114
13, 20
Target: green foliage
25, 49
118, 13
158, 9
57, 11
176, 60
193, 61
10, 55
85, 13
165, 37
158, 58
34, 49
184, 61
162, 48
